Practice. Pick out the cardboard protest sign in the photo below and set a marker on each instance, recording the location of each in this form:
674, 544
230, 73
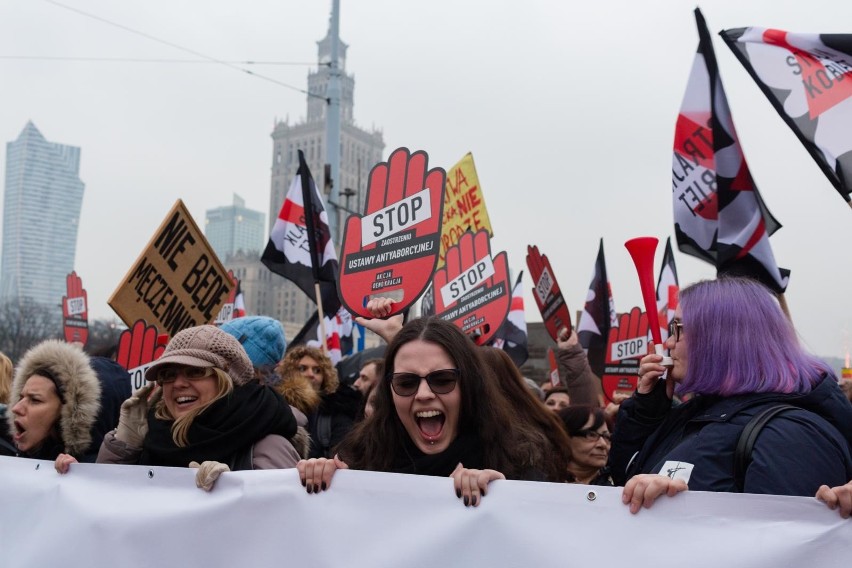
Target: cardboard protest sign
75, 310
227, 311
391, 250
464, 206
473, 289
138, 347
177, 281
626, 345
548, 296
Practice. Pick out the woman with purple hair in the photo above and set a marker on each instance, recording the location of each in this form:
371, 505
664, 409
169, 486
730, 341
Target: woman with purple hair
737, 354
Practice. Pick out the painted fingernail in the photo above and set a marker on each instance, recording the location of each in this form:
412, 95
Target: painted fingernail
310, 488
458, 493
324, 486
304, 483
473, 500
466, 501
483, 492
316, 488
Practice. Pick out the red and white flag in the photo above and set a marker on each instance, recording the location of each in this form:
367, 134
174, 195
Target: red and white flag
808, 79
718, 212
667, 290
300, 246
512, 335
239, 303
338, 331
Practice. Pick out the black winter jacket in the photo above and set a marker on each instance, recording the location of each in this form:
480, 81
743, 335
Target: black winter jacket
796, 452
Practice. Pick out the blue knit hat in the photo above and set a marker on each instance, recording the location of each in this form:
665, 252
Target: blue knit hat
262, 338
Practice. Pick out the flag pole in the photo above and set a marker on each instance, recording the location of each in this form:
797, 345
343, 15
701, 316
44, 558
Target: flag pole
307, 204
321, 317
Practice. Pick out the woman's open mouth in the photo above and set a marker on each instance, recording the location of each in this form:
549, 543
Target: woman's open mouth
184, 401
430, 423
20, 431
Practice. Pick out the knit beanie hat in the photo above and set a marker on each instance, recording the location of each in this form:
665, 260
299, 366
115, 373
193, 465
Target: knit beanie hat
261, 337
205, 346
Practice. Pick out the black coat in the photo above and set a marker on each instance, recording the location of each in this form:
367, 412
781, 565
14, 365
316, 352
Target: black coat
332, 420
796, 452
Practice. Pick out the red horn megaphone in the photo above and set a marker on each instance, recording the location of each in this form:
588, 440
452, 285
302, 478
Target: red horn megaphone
642, 251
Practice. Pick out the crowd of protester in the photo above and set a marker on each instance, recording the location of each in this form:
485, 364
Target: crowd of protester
232, 398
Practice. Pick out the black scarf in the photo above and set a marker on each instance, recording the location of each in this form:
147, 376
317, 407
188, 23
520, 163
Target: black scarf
229, 425
465, 449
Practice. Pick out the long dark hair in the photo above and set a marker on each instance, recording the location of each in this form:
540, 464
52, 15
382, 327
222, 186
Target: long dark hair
484, 413
550, 448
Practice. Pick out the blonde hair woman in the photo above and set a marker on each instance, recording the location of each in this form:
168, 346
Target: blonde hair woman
207, 409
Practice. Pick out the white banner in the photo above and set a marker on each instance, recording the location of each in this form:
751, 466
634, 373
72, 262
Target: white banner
111, 515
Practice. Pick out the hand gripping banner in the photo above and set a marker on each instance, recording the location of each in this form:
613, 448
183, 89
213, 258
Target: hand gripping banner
391, 250
548, 296
473, 289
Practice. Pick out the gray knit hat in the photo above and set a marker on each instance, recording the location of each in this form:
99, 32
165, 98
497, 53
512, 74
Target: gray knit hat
205, 346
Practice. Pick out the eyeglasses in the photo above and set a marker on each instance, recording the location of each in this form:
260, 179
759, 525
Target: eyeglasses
442, 381
592, 435
675, 328
170, 374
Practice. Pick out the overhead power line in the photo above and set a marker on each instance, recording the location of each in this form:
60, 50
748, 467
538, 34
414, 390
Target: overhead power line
181, 48
152, 60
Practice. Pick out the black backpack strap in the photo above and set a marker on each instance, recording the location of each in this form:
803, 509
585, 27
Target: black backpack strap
745, 443
324, 434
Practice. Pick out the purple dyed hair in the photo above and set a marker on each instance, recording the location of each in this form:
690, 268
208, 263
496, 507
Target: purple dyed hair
740, 342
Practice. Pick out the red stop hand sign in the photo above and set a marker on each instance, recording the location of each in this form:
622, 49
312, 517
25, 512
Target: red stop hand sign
626, 344
138, 346
391, 251
473, 289
75, 310
548, 296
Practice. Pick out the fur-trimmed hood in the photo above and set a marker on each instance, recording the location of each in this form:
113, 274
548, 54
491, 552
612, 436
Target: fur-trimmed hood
80, 386
299, 393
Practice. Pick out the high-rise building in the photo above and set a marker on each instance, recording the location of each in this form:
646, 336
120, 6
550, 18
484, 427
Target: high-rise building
267, 293
41, 212
360, 149
234, 229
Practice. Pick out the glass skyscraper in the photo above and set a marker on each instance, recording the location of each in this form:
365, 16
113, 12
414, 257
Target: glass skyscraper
234, 229
41, 212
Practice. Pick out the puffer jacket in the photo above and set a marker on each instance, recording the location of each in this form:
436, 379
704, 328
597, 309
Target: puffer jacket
795, 453
574, 372
81, 391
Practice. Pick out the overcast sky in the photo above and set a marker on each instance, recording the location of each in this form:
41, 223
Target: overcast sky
569, 109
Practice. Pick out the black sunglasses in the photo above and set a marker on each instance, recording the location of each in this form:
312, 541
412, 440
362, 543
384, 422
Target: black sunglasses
442, 381
675, 328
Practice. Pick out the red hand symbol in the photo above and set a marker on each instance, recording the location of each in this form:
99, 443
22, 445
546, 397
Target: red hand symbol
76, 325
466, 258
402, 177
554, 310
626, 345
138, 346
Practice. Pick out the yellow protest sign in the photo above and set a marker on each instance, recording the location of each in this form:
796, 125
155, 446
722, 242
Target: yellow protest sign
464, 206
177, 281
